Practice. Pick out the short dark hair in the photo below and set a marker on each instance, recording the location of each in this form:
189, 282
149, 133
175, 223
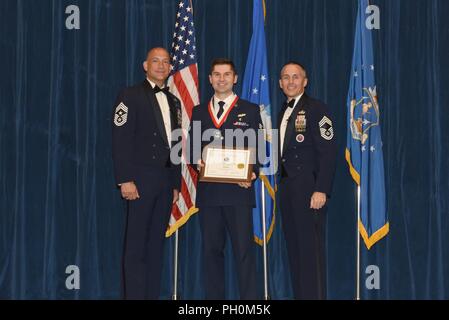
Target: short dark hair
221, 61
296, 63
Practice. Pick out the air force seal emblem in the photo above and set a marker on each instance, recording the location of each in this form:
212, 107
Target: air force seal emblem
364, 115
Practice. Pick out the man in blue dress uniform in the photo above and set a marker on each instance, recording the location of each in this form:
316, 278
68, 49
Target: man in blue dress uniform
143, 119
307, 165
225, 206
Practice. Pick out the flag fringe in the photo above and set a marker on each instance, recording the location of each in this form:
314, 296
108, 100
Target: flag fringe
355, 175
181, 221
270, 232
267, 184
376, 236
271, 192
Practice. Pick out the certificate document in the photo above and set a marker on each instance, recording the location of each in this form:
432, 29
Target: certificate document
226, 165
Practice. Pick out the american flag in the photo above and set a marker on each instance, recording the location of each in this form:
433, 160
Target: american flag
183, 83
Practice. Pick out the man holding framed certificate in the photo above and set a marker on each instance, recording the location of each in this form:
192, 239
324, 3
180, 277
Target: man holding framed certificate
226, 165
223, 142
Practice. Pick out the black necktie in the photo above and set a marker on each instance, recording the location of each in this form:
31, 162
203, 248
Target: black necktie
164, 89
220, 109
291, 104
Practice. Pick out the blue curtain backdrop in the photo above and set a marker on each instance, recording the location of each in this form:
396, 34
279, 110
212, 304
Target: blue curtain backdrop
58, 202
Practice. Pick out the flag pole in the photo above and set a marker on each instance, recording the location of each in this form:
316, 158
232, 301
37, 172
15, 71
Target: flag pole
264, 233
175, 269
358, 244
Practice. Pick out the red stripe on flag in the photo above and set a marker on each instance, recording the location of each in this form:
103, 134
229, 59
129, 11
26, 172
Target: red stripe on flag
194, 71
175, 212
185, 191
193, 174
183, 92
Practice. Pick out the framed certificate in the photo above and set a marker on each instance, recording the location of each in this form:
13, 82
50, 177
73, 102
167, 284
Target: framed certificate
226, 165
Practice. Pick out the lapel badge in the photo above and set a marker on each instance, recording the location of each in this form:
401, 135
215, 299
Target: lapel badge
217, 134
300, 138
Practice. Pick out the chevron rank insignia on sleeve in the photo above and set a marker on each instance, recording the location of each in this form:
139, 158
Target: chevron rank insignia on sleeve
121, 115
326, 129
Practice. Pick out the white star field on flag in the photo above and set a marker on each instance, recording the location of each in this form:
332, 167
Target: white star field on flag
184, 39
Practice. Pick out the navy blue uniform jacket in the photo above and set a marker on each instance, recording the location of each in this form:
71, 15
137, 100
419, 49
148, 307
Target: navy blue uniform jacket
139, 139
309, 144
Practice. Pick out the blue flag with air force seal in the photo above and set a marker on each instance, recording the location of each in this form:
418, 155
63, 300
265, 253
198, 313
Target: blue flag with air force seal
364, 143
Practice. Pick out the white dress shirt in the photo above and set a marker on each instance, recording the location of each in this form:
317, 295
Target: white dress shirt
165, 110
285, 118
228, 101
